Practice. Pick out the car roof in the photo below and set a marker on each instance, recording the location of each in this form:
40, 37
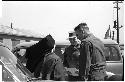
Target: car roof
121, 44
28, 44
109, 41
60, 43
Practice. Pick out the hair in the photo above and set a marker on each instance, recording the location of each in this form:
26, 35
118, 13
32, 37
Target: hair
81, 26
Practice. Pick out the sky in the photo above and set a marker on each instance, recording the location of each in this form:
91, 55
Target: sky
59, 17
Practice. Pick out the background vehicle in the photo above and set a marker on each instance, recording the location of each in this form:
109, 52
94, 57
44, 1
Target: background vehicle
122, 49
12, 69
113, 56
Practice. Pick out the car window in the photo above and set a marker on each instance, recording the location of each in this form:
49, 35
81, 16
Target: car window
6, 75
12, 69
20, 54
12, 64
111, 54
107, 54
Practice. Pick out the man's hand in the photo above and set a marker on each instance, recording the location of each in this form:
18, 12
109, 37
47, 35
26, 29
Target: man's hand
72, 71
65, 68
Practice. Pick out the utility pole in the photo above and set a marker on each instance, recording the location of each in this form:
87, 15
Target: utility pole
117, 25
11, 25
110, 32
113, 35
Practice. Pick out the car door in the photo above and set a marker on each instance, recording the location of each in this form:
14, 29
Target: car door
6, 76
9, 64
113, 59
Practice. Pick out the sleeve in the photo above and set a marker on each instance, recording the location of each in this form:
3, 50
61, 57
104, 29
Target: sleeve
84, 59
59, 72
27, 53
38, 69
65, 63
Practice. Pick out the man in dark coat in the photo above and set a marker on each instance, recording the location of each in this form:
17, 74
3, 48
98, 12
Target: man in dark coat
92, 62
34, 55
71, 56
51, 68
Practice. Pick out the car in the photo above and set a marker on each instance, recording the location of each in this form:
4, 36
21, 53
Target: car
122, 49
12, 69
113, 56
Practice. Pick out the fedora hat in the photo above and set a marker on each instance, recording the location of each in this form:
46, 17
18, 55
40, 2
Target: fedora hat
72, 35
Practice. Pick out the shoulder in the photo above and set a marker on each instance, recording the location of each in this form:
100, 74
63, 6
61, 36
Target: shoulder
54, 56
56, 59
85, 42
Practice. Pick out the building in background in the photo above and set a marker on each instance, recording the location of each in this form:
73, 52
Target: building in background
111, 33
11, 36
108, 34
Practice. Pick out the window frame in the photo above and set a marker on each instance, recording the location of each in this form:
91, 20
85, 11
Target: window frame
117, 49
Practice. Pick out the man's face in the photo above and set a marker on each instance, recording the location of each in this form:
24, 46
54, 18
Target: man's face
79, 34
73, 41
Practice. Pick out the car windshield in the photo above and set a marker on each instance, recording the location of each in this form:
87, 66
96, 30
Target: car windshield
13, 65
112, 53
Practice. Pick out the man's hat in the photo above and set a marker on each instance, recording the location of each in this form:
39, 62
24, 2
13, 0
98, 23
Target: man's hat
72, 35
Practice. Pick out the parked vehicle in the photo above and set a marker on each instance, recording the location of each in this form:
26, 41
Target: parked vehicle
113, 56
122, 49
12, 69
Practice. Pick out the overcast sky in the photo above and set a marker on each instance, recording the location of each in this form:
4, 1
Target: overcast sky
58, 18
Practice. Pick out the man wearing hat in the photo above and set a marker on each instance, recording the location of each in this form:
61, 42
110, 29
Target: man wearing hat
71, 57
46, 63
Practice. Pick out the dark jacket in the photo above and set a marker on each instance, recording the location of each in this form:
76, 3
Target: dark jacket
92, 60
71, 56
36, 52
33, 56
52, 68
